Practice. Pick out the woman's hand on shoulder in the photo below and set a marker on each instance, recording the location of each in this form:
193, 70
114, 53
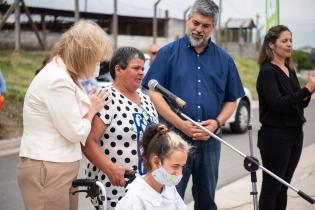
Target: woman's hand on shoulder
98, 99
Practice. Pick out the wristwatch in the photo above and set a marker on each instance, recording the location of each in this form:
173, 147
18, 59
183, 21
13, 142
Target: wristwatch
218, 126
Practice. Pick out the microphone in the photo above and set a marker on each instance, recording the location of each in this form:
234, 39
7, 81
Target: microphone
154, 85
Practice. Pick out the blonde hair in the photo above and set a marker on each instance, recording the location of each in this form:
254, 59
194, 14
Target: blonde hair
81, 47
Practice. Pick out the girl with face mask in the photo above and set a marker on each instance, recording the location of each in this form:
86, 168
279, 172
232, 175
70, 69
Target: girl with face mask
164, 155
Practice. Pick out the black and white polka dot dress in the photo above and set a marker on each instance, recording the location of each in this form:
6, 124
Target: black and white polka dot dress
126, 122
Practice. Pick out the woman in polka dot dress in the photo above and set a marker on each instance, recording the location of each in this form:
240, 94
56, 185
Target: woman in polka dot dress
113, 144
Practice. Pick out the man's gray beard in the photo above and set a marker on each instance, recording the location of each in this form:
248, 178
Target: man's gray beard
198, 43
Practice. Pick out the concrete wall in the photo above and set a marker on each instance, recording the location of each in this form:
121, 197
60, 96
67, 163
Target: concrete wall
245, 50
29, 40
175, 28
140, 42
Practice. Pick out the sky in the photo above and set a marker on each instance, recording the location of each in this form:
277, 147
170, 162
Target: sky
298, 15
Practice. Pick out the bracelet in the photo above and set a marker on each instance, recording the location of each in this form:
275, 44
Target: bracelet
218, 123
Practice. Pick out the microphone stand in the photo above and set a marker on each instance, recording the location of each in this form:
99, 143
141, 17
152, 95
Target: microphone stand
252, 168
249, 161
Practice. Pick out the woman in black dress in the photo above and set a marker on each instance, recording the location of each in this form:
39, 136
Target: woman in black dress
281, 113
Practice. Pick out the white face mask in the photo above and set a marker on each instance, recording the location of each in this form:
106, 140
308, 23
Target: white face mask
163, 177
97, 69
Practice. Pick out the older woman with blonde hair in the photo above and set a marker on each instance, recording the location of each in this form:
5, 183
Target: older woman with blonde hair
57, 118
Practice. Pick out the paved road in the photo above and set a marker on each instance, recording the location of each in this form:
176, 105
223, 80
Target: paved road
231, 167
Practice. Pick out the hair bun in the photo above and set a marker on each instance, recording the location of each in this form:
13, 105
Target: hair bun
162, 129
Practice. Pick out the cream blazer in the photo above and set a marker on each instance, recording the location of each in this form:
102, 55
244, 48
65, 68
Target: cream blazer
53, 112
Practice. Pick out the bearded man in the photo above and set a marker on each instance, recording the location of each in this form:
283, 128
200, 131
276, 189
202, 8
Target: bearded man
201, 73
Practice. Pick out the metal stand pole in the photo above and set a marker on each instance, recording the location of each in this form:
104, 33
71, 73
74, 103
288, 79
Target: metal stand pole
252, 168
251, 161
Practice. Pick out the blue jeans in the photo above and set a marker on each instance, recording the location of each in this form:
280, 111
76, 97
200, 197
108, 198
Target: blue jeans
203, 165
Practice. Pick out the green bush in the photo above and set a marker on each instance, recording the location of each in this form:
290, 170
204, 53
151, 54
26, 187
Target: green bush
302, 60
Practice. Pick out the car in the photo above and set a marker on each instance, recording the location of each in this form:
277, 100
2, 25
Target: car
237, 123
239, 120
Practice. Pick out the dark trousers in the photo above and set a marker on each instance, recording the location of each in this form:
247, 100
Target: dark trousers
280, 151
203, 165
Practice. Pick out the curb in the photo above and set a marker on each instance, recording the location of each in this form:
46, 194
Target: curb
9, 146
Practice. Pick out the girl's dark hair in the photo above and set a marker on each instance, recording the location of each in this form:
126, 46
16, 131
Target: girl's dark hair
122, 56
272, 35
158, 140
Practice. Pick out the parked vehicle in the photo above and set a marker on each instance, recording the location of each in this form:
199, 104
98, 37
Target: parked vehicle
238, 122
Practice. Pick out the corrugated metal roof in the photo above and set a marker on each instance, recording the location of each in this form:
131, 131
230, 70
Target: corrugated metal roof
137, 8
240, 23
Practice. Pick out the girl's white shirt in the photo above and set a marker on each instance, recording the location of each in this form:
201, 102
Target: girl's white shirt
141, 196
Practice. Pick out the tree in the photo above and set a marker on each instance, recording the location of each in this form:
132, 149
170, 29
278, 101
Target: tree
303, 59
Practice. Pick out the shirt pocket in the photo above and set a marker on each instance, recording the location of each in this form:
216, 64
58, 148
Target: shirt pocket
217, 81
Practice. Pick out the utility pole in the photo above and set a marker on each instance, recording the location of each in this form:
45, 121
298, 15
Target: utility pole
28, 14
155, 21
8, 13
219, 24
184, 16
76, 10
44, 31
115, 24
257, 33
17, 27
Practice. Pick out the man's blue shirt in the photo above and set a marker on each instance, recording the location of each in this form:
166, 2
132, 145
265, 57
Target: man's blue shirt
205, 80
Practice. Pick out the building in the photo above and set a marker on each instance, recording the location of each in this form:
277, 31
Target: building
52, 19
238, 37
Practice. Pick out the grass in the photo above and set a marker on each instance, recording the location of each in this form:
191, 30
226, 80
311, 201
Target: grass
18, 68
248, 70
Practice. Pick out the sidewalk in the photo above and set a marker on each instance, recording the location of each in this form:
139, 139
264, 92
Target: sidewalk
235, 196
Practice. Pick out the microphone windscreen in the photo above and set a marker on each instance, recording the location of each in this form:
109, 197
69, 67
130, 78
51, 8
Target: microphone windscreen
152, 84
